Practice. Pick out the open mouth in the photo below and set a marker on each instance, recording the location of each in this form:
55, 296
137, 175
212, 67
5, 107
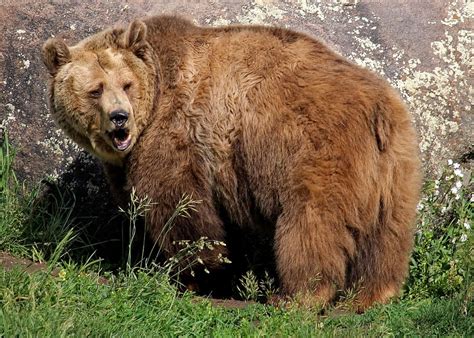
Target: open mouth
121, 138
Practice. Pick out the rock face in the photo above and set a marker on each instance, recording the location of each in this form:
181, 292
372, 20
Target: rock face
424, 48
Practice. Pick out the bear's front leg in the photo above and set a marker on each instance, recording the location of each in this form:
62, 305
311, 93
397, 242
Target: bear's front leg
117, 180
164, 168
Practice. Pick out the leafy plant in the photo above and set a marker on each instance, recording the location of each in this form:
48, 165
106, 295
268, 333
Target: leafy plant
442, 259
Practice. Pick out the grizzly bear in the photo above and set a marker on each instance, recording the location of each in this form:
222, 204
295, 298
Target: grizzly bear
264, 124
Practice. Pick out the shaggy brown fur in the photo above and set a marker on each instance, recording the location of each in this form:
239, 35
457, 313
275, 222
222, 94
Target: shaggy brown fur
252, 120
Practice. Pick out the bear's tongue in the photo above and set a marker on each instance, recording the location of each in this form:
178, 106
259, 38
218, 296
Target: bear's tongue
121, 139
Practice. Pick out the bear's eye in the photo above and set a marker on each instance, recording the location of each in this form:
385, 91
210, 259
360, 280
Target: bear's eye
96, 93
127, 86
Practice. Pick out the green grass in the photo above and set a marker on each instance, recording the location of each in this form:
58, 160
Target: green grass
141, 300
143, 304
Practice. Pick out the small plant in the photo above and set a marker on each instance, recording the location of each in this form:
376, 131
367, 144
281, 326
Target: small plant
442, 259
249, 289
347, 300
137, 207
187, 256
253, 289
267, 286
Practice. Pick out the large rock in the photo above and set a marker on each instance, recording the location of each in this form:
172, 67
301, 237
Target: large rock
423, 48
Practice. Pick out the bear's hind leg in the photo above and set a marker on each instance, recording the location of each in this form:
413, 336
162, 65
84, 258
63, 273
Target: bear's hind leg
382, 261
382, 265
312, 248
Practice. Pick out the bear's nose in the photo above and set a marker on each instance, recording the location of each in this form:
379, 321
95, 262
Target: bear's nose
119, 117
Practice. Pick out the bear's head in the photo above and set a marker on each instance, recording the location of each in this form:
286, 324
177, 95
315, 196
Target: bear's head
102, 89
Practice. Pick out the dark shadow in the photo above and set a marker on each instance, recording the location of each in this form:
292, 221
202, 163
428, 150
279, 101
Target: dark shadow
81, 200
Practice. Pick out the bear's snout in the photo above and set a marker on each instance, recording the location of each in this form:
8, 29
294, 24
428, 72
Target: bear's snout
119, 117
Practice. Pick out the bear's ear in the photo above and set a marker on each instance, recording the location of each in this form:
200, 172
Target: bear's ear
135, 38
55, 54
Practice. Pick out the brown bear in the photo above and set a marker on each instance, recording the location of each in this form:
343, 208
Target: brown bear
263, 123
